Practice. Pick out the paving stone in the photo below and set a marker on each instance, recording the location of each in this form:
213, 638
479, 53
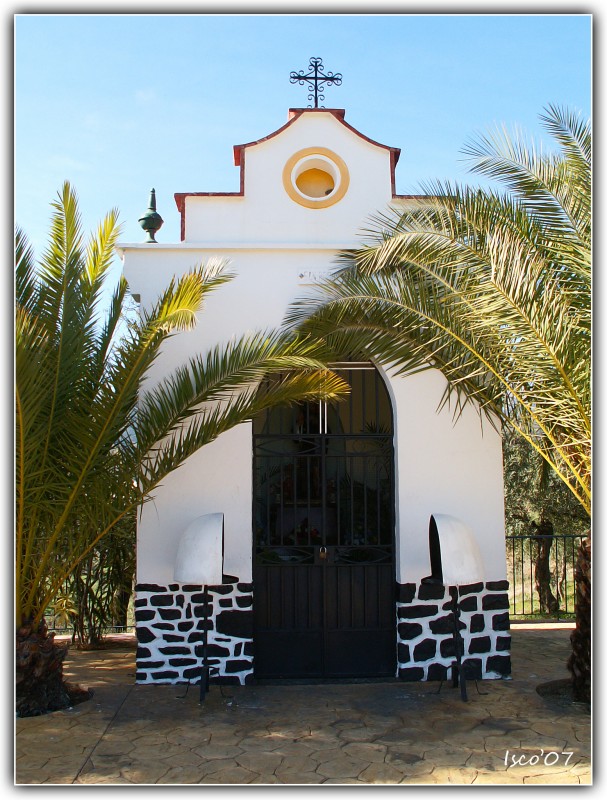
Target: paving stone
403, 757
156, 751
342, 767
229, 775
393, 732
186, 758
182, 774
454, 775
289, 732
145, 739
474, 741
262, 763
499, 744
321, 739
231, 738
399, 736
210, 767
580, 767
297, 764
109, 762
539, 742
361, 734
326, 754
145, 771
261, 743
497, 779
114, 747
366, 751
298, 749
418, 770
381, 773
30, 761
217, 751
27, 777
351, 722
102, 779
557, 779
501, 725
447, 755
485, 761
64, 768
409, 737
191, 738
543, 727
294, 777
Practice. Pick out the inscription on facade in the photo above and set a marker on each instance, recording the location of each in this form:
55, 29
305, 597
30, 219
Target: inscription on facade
312, 276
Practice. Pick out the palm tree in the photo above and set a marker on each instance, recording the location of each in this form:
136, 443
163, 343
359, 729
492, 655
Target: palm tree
89, 451
494, 289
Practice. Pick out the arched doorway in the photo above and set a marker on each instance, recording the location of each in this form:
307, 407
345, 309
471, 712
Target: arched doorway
323, 560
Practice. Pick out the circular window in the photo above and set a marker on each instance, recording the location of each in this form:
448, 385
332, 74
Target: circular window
315, 177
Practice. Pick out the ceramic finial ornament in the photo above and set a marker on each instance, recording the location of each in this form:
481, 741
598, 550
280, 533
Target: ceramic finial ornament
151, 221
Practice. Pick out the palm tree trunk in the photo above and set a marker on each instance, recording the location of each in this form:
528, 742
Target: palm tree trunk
40, 687
579, 661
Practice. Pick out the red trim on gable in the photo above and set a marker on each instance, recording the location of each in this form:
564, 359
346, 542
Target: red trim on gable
180, 198
393, 160
294, 115
338, 113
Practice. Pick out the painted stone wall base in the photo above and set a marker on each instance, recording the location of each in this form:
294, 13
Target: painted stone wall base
425, 631
170, 632
171, 625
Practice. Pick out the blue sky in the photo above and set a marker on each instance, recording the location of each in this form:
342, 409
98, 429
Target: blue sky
119, 103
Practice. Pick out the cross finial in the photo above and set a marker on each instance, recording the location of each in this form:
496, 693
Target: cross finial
315, 78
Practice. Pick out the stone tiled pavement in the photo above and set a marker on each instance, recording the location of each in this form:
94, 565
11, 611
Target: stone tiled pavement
361, 733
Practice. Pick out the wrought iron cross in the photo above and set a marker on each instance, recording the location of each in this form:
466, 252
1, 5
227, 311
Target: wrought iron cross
315, 78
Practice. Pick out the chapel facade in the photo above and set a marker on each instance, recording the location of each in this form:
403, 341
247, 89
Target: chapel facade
326, 508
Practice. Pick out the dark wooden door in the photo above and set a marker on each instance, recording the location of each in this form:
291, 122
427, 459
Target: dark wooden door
323, 568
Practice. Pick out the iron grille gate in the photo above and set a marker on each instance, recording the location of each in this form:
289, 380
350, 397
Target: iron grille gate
323, 562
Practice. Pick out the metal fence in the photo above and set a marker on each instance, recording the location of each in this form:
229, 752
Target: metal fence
541, 575
522, 571
62, 630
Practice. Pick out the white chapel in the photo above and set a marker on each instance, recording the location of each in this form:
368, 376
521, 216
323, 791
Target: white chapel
331, 516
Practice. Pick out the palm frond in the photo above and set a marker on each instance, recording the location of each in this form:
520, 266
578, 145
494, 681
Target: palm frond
230, 372
206, 424
491, 288
87, 454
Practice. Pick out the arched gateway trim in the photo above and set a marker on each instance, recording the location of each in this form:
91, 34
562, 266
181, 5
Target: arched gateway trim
323, 535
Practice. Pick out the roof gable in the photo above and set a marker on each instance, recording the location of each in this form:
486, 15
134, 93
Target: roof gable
295, 114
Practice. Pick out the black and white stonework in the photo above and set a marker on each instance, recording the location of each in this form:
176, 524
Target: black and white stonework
426, 646
171, 624
170, 632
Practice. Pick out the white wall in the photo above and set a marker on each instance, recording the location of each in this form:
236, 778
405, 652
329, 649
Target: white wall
444, 467
216, 479
441, 467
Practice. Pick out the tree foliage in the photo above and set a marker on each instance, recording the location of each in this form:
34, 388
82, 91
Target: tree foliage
533, 493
